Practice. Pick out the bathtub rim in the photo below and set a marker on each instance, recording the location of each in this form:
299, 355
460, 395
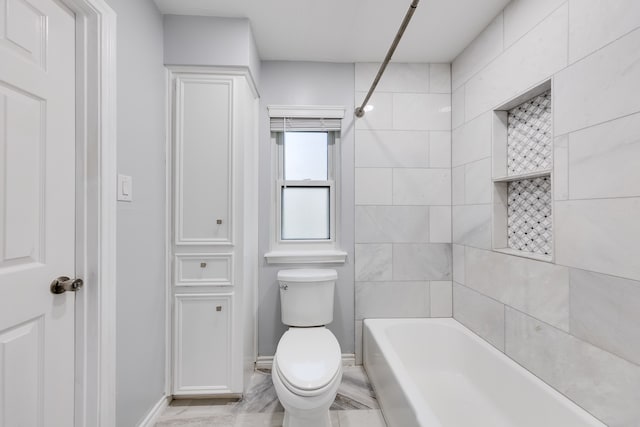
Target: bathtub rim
426, 414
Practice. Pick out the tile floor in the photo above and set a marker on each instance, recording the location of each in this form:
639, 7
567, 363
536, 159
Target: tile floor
355, 406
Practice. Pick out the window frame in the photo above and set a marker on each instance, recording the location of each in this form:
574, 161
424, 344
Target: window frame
281, 183
305, 251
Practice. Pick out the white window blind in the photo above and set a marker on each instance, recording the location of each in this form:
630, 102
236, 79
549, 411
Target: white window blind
304, 124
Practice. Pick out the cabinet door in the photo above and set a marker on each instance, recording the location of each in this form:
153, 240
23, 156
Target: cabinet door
202, 362
203, 114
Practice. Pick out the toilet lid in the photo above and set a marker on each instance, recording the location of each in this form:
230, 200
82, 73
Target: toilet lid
308, 358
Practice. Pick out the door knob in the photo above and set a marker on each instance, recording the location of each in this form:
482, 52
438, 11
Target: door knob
63, 284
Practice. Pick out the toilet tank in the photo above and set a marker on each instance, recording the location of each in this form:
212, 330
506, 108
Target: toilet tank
306, 296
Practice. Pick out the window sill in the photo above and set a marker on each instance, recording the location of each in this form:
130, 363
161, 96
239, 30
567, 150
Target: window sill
306, 257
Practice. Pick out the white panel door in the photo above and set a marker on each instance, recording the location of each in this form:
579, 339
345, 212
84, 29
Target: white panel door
37, 212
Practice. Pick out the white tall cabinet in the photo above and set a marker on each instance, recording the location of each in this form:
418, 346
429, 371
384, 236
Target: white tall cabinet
214, 229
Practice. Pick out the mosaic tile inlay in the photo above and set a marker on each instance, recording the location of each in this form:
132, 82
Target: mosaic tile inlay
529, 215
529, 136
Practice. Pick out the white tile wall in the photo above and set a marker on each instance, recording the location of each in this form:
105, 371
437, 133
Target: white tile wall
600, 382
421, 186
472, 141
472, 225
374, 262
441, 298
440, 224
440, 78
457, 185
457, 107
599, 235
576, 333
585, 93
373, 186
536, 56
520, 16
387, 224
479, 313
477, 182
421, 261
604, 312
537, 288
561, 168
440, 150
417, 111
380, 117
403, 242
484, 48
397, 149
458, 264
392, 299
397, 77
598, 160
594, 23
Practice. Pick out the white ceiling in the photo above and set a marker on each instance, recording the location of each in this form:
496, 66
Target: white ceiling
351, 30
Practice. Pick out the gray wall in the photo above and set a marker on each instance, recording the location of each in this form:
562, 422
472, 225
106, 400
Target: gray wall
403, 194
205, 40
573, 322
306, 83
140, 236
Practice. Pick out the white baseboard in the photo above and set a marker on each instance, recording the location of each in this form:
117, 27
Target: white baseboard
348, 359
155, 412
265, 362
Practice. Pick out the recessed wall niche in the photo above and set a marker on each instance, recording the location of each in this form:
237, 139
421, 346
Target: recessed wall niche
522, 165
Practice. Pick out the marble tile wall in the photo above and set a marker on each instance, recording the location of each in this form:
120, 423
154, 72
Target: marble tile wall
573, 322
403, 259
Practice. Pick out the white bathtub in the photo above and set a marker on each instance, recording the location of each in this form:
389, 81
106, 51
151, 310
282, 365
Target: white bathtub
437, 373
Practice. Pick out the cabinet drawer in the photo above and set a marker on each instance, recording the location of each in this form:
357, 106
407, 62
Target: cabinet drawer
199, 269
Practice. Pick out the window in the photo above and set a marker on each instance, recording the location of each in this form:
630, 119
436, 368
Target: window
306, 184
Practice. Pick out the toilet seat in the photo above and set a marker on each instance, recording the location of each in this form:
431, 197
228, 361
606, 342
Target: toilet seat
308, 360
305, 393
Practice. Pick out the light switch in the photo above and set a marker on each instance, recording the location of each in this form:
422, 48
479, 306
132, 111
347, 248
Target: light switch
125, 188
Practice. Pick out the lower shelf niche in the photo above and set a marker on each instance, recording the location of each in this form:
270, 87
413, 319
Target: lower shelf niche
529, 225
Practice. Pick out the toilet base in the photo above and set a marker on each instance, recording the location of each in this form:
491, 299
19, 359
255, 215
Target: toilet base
319, 420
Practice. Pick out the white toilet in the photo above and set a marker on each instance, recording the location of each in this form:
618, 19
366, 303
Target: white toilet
307, 366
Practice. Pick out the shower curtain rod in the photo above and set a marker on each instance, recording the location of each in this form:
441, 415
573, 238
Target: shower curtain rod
412, 8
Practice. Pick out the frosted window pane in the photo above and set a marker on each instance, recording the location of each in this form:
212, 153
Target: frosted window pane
305, 156
305, 213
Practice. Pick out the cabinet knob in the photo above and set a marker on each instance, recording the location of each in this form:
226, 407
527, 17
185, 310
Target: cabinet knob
203, 264
218, 221
219, 308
